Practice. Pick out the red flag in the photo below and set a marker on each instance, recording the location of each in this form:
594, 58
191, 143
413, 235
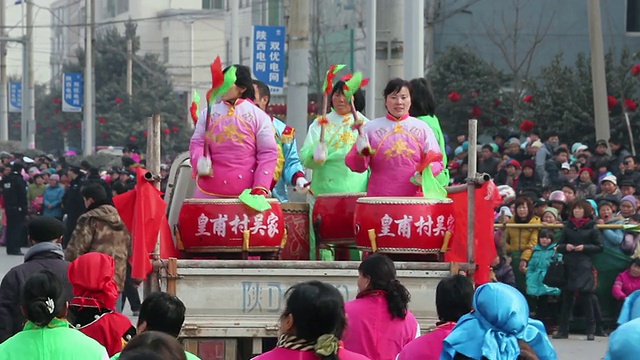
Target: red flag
485, 249
144, 213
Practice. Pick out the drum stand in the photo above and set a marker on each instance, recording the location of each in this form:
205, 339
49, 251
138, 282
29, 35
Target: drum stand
341, 251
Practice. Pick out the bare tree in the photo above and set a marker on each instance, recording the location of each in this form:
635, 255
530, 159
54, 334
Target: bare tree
517, 46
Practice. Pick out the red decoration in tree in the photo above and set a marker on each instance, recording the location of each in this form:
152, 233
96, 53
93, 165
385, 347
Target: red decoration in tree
630, 105
56, 111
175, 129
68, 122
611, 102
166, 131
118, 101
497, 103
527, 125
105, 135
454, 97
57, 101
64, 129
102, 120
146, 133
476, 111
528, 98
635, 70
504, 121
79, 125
133, 138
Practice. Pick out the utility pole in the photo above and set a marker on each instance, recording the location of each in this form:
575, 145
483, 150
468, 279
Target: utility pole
429, 34
28, 130
413, 39
129, 66
389, 62
4, 115
371, 59
87, 127
235, 32
600, 109
298, 75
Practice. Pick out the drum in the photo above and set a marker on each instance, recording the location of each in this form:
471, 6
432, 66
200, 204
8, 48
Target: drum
296, 221
403, 224
333, 217
228, 225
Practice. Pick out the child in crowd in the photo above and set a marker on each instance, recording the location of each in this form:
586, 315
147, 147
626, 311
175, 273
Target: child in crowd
546, 297
612, 237
501, 270
629, 243
627, 281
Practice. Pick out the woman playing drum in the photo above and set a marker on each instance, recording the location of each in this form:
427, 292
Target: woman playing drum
395, 146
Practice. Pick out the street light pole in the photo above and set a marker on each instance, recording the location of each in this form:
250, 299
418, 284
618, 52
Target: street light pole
87, 148
599, 83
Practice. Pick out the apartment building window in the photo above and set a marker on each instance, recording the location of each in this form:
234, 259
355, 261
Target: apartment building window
165, 50
111, 8
213, 4
123, 6
633, 16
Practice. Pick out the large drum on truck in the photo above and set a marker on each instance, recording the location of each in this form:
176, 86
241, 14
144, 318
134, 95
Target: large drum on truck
403, 225
333, 221
227, 225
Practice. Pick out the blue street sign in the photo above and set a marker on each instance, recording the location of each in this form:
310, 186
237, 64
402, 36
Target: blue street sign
72, 92
268, 56
15, 97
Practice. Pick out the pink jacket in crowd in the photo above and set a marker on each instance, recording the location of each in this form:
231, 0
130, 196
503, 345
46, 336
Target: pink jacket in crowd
289, 354
624, 285
428, 346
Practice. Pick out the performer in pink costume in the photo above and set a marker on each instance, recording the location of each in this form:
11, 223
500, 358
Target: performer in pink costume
396, 147
242, 150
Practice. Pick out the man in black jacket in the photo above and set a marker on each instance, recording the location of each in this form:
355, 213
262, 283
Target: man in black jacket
72, 202
14, 192
45, 234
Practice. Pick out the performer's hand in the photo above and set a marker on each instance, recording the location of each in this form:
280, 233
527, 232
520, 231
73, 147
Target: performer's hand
302, 185
259, 191
416, 179
436, 168
362, 145
204, 167
320, 153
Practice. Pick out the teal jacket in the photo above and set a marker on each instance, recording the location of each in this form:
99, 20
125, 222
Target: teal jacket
537, 269
292, 164
58, 341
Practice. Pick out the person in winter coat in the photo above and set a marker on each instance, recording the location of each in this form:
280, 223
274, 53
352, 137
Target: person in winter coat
311, 325
579, 241
47, 335
553, 168
627, 281
100, 229
35, 194
502, 271
45, 234
628, 206
609, 186
454, 295
93, 307
612, 237
521, 241
585, 188
72, 201
546, 297
380, 323
528, 179
14, 195
53, 195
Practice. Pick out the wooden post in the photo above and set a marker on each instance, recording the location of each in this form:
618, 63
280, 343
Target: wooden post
172, 276
471, 195
153, 166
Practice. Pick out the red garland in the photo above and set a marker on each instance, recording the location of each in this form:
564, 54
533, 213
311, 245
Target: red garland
528, 98
496, 103
635, 70
476, 111
504, 121
611, 102
133, 138
166, 131
102, 120
104, 135
454, 97
118, 101
175, 129
146, 133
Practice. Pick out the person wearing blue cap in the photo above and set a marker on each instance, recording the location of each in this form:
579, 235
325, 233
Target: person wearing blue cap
498, 329
624, 343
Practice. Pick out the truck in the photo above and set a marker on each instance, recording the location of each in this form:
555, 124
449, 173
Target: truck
234, 306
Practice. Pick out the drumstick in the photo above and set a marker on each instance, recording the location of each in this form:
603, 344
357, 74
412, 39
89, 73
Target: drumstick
356, 121
323, 119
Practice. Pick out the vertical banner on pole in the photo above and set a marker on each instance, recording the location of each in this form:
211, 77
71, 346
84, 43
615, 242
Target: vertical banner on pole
72, 92
15, 97
268, 56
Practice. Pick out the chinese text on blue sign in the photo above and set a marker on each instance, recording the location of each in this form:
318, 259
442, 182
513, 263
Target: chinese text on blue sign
15, 97
268, 56
72, 92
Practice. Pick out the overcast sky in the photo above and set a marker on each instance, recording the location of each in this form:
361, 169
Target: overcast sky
42, 39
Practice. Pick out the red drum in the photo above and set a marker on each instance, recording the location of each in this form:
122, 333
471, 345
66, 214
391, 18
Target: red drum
296, 220
333, 214
227, 225
402, 224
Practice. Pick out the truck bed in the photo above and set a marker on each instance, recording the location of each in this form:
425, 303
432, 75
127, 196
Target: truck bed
240, 298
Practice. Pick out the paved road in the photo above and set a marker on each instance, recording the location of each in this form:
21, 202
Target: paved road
574, 348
